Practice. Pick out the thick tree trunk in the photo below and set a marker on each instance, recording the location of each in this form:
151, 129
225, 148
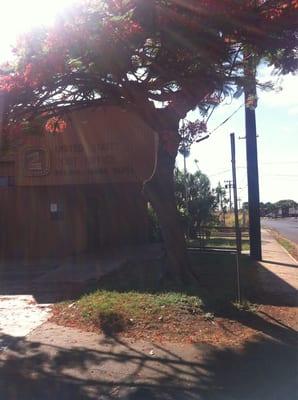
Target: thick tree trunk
160, 192
159, 189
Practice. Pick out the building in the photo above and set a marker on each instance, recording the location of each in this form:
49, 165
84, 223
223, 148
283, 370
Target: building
78, 191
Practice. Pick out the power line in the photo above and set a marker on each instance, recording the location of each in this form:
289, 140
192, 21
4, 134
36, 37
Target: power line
221, 124
227, 119
224, 170
220, 172
280, 162
229, 75
282, 175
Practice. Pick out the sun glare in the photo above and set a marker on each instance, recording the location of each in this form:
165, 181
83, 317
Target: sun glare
19, 16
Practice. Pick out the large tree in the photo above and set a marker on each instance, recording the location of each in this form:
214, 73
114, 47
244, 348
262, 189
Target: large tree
157, 58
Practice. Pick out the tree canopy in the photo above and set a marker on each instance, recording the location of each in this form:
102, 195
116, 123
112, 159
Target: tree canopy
273, 208
170, 54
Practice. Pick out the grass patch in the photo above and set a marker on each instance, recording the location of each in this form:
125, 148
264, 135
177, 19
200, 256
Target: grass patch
132, 305
289, 246
215, 242
134, 299
245, 305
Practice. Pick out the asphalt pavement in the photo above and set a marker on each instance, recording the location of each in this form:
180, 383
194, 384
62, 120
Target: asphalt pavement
287, 227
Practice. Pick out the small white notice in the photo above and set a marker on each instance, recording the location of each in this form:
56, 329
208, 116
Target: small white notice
54, 207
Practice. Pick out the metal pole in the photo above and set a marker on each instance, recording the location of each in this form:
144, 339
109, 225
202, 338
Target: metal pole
230, 194
252, 160
237, 228
253, 185
186, 193
238, 279
185, 178
244, 219
229, 186
233, 152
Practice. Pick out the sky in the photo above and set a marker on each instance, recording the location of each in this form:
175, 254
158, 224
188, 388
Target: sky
277, 117
277, 130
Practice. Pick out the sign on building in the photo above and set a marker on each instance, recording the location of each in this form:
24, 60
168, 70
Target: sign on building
98, 146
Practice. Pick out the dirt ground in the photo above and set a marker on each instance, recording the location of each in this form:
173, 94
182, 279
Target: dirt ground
232, 328
271, 286
231, 355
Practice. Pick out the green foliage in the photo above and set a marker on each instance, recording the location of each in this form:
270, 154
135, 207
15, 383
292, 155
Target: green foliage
154, 228
285, 204
198, 209
196, 200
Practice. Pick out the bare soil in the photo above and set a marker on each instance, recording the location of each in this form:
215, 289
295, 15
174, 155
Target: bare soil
235, 328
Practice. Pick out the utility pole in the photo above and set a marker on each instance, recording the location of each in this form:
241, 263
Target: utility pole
229, 186
239, 204
252, 158
185, 177
185, 153
233, 153
237, 228
244, 218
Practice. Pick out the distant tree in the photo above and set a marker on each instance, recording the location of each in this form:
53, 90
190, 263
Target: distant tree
222, 200
157, 58
285, 204
274, 208
267, 208
198, 207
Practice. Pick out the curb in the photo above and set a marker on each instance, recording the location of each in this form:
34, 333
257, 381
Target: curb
285, 250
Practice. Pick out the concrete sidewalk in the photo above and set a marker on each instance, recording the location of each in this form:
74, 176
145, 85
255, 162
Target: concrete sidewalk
279, 272
273, 251
59, 363
52, 280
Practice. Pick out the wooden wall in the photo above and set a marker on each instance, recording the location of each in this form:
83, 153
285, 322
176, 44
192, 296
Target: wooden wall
102, 145
78, 191
89, 218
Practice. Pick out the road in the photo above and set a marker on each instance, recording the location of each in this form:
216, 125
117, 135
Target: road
287, 227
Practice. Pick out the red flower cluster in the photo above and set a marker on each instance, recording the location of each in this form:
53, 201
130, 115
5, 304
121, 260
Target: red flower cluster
119, 31
281, 9
55, 125
34, 73
11, 82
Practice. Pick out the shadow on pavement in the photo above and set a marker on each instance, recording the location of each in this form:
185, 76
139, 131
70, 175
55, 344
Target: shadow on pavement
216, 288
262, 369
280, 263
50, 283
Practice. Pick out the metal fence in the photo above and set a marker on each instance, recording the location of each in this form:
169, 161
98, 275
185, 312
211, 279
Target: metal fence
217, 238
